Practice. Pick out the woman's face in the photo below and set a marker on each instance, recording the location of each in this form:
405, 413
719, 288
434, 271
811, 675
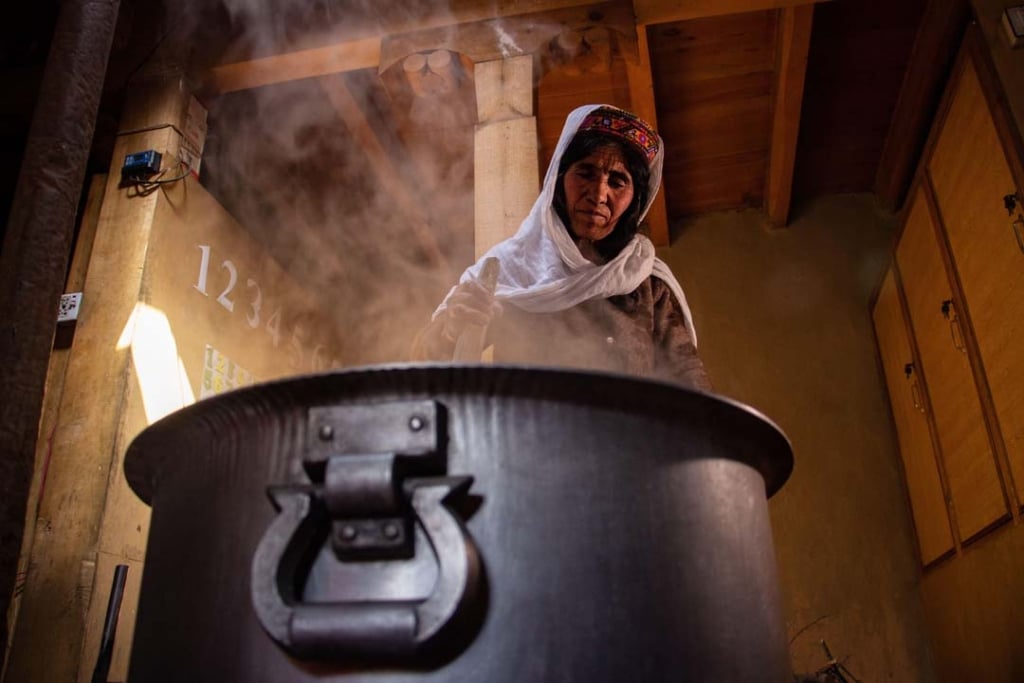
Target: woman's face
598, 190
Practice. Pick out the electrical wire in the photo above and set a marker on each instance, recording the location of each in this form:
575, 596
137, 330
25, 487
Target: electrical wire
147, 129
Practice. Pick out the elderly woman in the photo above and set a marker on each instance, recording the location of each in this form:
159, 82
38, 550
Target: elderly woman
577, 285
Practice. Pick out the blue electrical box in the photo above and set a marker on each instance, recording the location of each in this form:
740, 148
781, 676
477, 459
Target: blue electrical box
141, 165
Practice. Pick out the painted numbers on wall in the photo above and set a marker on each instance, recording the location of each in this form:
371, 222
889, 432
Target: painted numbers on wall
250, 299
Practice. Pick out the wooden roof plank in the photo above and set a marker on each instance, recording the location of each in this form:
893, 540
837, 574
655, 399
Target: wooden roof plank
397, 17
664, 11
794, 39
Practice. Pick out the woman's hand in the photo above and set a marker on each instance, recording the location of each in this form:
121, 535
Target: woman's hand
469, 304
458, 332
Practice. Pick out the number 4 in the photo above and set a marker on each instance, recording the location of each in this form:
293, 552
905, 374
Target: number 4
274, 327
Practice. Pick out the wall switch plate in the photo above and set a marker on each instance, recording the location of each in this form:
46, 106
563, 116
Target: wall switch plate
1013, 25
69, 307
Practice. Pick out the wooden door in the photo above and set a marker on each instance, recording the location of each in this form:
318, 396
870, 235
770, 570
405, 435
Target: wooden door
971, 178
910, 412
969, 463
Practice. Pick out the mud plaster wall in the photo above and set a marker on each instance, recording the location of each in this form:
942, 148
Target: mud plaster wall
784, 325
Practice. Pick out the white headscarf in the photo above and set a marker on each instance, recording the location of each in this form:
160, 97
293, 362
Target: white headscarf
542, 269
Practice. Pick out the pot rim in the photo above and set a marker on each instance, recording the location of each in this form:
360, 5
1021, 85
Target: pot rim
596, 389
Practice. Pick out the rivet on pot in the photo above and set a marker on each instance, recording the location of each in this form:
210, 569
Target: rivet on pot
391, 531
349, 532
416, 423
326, 433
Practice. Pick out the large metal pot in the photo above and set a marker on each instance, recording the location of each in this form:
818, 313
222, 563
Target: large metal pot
447, 523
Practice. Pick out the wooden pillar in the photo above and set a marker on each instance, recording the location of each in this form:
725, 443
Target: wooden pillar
506, 166
179, 303
36, 242
55, 375
641, 97
72, 560
790, 68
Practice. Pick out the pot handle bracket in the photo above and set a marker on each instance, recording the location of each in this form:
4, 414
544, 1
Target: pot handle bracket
370, 510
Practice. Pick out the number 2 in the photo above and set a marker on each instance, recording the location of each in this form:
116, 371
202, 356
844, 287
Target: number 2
223, 299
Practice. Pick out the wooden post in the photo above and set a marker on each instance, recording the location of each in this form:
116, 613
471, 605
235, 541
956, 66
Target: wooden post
88, 440
790, 68
34, 254
55, 382
506, 166
641, 97
179, 303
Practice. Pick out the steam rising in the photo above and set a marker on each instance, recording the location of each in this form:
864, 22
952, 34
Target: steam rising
377, 222
360, 183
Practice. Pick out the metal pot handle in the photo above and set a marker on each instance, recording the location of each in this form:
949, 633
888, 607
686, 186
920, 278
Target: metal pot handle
363, 629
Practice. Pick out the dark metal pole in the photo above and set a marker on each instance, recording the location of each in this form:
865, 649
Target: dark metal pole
34, 261
99, 674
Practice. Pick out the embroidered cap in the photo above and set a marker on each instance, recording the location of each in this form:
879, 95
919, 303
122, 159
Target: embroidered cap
622, 124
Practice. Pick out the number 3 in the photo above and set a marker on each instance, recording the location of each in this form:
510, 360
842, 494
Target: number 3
254, 318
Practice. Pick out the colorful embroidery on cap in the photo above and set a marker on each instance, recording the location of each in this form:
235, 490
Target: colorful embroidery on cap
624, 125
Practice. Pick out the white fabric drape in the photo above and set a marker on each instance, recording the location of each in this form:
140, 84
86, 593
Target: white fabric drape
543, 271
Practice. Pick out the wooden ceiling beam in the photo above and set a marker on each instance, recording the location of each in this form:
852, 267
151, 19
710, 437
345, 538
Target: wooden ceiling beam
480, 28
794, 38
361, 49
511, 36
470, 11
291, 66
665, 11
348, 108
641, 98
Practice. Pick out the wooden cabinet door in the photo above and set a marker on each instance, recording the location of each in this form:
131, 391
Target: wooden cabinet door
906, 394
971, 177
970, 466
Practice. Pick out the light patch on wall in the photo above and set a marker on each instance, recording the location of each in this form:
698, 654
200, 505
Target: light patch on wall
163, 381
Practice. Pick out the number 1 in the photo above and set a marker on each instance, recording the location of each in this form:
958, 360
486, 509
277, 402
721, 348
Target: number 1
204, 267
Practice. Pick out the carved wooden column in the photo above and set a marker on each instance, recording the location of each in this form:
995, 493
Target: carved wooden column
506, 167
